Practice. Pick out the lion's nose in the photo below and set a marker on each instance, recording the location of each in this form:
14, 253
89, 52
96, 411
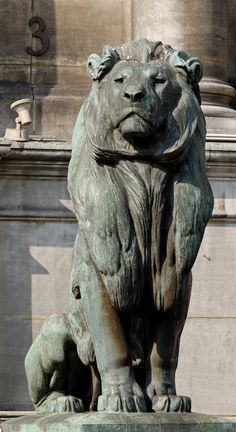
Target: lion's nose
134, 94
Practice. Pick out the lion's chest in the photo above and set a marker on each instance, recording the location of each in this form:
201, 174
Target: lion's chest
124, 207
120, 222
122, 214
145, 190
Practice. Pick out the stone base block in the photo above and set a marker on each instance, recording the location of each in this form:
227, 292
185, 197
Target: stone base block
133, 422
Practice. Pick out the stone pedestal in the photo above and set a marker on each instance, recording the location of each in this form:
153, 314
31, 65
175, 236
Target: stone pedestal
135, 422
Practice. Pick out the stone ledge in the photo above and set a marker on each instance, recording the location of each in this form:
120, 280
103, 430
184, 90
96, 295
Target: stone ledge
133, 422
50, 157
52, 149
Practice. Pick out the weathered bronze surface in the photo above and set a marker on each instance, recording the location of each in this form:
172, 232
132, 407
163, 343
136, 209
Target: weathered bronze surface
137, 180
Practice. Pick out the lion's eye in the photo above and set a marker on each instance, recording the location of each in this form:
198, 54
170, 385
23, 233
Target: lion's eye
119, 79
159, 80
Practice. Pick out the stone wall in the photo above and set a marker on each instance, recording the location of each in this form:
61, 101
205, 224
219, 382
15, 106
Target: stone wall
37, 232
37, 225
207, 366
57, 80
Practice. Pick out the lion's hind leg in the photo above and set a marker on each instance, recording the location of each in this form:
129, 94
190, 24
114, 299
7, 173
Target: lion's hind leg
46, 368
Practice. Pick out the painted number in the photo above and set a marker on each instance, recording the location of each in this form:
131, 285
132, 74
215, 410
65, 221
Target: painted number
41, 34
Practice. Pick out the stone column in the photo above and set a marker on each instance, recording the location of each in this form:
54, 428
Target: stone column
201, 29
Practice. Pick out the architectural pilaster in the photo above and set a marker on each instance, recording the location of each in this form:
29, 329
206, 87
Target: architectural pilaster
201, 29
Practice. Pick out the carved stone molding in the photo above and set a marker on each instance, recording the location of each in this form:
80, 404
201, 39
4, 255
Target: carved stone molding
47, 158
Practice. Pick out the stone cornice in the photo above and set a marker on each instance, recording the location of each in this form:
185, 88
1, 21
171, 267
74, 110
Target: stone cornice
221, 156
37, 158
48, 160
50, 157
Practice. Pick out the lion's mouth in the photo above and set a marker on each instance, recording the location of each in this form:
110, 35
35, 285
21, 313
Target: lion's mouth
139, 131
134, 126
132, 112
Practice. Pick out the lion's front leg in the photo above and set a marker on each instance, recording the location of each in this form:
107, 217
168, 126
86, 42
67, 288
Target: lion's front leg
120, 392
161, 389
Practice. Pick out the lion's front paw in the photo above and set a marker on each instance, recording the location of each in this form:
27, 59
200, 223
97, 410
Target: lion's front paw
59, 403
122, 398
170, 403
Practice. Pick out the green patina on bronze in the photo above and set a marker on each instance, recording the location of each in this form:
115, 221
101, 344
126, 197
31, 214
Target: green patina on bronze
138, 183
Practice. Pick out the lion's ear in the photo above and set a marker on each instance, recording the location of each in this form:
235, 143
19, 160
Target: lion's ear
93, 65
98, 67
196, 69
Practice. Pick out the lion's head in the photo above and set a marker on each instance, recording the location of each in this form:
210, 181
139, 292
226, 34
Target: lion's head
144, 102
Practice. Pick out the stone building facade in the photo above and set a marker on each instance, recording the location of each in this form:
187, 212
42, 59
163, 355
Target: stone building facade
37, 224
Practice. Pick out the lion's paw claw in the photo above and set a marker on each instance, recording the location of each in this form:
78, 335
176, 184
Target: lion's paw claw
171, 403
118, 399
121, 404
60, 404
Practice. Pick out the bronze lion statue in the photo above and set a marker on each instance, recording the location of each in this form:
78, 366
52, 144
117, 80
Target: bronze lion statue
142, 200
